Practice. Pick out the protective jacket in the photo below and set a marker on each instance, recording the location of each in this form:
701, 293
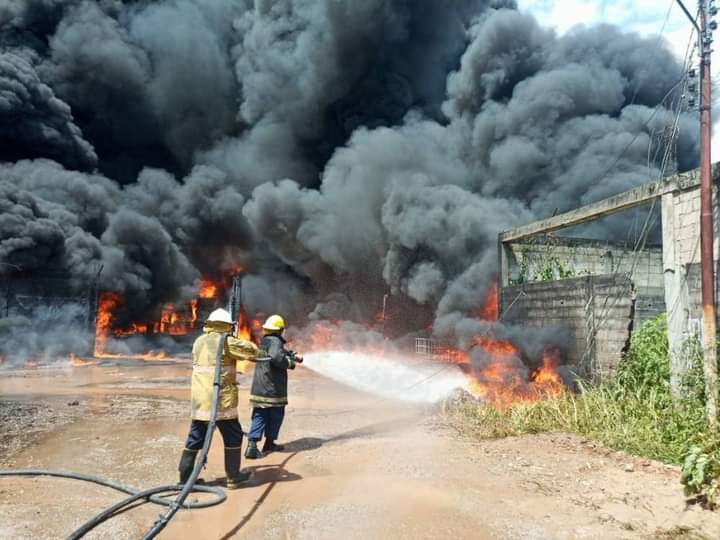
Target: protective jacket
269, 386
237, 352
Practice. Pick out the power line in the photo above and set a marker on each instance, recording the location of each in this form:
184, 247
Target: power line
655, 50
642, 239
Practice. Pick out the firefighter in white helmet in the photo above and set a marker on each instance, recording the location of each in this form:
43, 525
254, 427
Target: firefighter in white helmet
204, 351
268, 393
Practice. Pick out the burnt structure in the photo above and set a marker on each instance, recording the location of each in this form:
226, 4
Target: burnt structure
51, 302
599, 290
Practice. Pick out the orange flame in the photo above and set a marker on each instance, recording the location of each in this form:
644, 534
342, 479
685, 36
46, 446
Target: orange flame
494, 346
194, 312
174, 322
546, 377
134, 328
76, 361
489, 311
160, 355
331, 335
322, 336
501, 376
208, 289
502, 381
107, 303
243, 330
247, 329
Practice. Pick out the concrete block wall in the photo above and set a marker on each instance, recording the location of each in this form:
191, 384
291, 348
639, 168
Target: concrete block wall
687, 226
692, 292
591, 315
613, 306
663, 279
591, 258
685, 236
648, 272
585, 257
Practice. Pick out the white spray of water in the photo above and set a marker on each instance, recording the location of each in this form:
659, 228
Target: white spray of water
413, 381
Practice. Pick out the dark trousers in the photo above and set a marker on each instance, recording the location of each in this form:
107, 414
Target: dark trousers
230, 430
266, 420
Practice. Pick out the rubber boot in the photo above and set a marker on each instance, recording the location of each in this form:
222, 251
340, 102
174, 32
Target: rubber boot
235, 477
187, 464
252, 451
270, 446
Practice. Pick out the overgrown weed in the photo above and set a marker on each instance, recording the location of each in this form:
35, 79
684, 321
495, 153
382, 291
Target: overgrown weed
633, 412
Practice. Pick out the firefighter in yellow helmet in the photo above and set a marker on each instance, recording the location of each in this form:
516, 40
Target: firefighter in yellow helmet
268, 393
204, 353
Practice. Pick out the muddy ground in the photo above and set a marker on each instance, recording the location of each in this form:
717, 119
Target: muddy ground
355, 467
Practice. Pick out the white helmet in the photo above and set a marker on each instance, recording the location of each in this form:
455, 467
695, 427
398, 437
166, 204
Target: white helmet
220, 315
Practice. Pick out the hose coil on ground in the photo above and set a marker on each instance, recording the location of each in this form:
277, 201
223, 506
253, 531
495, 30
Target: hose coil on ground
152, 494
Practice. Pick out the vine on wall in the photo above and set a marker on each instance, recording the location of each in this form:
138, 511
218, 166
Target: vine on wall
536, 266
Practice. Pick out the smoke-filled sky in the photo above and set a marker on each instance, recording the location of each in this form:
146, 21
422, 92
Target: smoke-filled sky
646, 17
337, 150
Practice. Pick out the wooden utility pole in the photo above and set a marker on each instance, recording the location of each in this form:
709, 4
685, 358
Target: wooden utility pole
706, 10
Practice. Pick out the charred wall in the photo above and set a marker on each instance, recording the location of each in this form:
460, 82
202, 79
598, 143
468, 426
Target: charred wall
51, 309
665, 279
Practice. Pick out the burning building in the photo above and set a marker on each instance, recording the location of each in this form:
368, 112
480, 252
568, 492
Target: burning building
338, 152
599, 290
48, 303
178, 324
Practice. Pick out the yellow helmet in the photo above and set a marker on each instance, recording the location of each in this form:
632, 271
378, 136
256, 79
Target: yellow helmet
274, 323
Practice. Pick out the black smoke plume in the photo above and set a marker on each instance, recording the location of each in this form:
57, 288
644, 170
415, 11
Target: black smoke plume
337, 150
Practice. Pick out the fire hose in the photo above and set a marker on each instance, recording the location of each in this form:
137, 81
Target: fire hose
151, 494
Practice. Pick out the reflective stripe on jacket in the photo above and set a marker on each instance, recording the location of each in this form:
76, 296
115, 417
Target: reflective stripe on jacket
237, 352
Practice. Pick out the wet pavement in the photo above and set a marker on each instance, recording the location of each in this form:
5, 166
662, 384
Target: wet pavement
355, 466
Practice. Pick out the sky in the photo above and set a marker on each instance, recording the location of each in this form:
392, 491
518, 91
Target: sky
643, 16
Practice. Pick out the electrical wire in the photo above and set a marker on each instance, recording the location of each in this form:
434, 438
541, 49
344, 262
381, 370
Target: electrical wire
680, 81
656, 48
640, 243
672, 140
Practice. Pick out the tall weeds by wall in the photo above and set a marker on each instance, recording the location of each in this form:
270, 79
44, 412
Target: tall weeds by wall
634, 412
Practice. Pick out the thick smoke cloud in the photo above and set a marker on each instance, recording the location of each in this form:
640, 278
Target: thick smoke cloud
34, 121
339, 152
30, 238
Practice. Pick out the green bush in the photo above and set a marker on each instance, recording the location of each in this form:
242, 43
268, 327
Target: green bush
701, 472
645, 366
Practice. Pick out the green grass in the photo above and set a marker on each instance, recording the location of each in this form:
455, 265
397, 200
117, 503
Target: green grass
635, 422
633, 412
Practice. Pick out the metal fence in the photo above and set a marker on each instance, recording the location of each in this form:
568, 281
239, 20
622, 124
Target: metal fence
435, 349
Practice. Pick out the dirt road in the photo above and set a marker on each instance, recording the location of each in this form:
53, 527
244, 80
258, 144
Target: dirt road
355, 467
